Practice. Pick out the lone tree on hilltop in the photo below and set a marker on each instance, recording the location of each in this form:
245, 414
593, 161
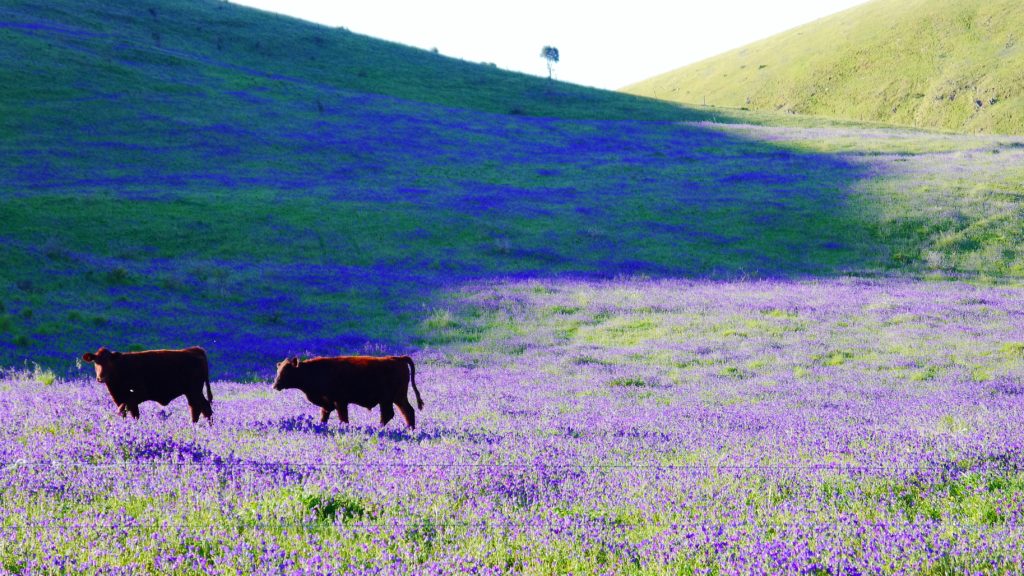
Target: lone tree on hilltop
549, 53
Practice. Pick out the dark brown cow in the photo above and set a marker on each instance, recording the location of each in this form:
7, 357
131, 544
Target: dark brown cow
334, 383
159, 375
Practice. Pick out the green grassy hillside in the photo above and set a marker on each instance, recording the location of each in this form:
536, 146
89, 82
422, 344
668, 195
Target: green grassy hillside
947, 64
201, 173
63, 48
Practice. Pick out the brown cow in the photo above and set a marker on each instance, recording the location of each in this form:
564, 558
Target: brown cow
334, 383
159, 375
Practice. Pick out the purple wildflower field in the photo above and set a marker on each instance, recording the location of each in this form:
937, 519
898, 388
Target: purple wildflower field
648, 342
624, 426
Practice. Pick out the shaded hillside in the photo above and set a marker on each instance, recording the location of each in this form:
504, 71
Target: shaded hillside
949, 64
153, 195
158, 197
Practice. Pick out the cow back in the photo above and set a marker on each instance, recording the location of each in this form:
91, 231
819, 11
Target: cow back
161, 375
363, 380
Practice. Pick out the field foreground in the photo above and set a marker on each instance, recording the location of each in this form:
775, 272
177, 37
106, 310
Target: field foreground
617, 427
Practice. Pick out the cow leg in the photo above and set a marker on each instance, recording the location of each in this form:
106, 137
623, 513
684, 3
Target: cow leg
134, 409
342, 412
325, 413
407, 412
387, 412
199, 406
122, 409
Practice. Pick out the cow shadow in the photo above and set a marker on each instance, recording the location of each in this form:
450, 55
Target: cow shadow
300, 423
402, 434
424, 434
306, 424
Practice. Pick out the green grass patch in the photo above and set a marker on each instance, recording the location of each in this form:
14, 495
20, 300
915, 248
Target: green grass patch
833, 358
1013, 350
629, 382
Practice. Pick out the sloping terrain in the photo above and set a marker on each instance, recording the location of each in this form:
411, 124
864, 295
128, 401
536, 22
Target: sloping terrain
202, 49
948, 64
200, 173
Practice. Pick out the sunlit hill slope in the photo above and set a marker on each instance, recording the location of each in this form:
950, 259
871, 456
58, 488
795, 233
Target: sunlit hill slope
950, 64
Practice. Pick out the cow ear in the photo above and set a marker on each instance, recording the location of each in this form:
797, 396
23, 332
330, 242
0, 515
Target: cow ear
89, 357
294, 361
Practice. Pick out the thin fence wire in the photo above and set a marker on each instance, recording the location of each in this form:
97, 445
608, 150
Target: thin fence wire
278, 465
561, 522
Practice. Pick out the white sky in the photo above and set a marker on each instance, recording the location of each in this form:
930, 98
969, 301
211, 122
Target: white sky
601, 43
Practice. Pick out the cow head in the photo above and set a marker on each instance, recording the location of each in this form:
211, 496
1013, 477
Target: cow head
103, 361
286, 374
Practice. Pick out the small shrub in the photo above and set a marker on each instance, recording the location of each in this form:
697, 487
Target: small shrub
950, 424
981, 375
117, 277
928, 373
587, 359
628, 382
172, 284
515, 349
44, 376
1013, 350
327, 508
54, 250
731, 372
833, 358
423, 532
780, 313
440, 319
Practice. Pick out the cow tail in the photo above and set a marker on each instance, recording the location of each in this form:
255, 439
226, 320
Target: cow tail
206, 378
412, 378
